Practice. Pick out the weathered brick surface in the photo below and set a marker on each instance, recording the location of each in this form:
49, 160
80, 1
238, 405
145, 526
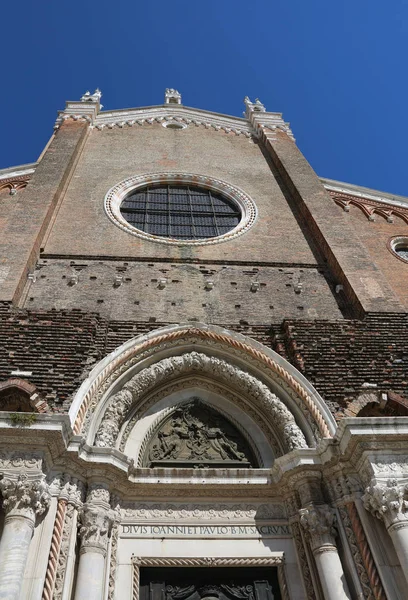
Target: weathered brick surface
56, 346
337, 356
111, 155
365, 286
179, 292
24, 223
376, 235
341, 357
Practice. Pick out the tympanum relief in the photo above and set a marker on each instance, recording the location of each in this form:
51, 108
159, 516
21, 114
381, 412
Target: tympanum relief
195, 435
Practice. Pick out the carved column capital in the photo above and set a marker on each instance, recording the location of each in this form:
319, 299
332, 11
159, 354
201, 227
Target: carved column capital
24, 496
72, 491
318, 522
344, 488
96, 523
388, 501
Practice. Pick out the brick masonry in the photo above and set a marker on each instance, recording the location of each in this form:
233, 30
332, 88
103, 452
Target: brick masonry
157, 291
94, 286
340, 357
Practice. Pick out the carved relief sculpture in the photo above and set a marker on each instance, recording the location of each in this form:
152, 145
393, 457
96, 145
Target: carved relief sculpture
195, 435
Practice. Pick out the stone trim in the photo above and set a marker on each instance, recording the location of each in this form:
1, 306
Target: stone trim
272, 561
347, 190
116, 195
361, 552
176, 114
370, 208
121, 403
393, 242
55, 549
214, 335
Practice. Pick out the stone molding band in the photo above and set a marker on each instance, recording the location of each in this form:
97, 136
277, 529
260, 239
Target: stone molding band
147, 379
56, 542
211, 336
272, 561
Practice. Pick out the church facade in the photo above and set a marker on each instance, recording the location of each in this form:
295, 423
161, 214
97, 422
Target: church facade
203, 366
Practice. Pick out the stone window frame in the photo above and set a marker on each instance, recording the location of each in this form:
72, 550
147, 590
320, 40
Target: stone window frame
278, 560
393, 244
117, 194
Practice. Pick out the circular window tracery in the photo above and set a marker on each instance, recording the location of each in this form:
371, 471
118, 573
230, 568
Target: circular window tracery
174, 208
180, 212
399, 247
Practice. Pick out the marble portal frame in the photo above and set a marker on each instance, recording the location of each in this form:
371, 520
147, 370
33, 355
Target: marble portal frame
278, 560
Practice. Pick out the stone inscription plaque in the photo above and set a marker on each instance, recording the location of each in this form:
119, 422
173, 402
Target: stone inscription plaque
133, 530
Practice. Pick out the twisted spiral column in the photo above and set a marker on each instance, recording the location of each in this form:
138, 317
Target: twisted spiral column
54, 550
368, 560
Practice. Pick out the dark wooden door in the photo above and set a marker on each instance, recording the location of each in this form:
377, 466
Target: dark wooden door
209, 584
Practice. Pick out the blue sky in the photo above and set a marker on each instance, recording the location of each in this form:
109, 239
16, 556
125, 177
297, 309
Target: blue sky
337, 71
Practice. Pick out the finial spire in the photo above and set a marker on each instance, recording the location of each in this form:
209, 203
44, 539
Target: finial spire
95, 97
256, 106
172, 96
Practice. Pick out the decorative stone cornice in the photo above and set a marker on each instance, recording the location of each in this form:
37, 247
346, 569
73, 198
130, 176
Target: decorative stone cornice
173, 113
85, 109
388, 501
266, 123
371, 208
24, 496
162, 512
319, 524
349, 190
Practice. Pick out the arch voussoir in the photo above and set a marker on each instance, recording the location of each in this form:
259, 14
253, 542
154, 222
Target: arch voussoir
166, 369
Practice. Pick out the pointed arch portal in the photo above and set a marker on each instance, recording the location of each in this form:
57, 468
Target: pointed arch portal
128, 382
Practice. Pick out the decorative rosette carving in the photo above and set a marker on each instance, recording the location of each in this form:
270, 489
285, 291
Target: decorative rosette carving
388, 501
319, 524
24, 496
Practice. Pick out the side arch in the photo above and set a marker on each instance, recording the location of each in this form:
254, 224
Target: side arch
19, 395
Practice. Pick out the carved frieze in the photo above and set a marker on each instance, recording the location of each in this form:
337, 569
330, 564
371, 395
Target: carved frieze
168, 368
195, 511
17, 461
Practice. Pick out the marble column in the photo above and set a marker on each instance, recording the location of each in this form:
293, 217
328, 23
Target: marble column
96, 519
388, 501
318, 522
24, 498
